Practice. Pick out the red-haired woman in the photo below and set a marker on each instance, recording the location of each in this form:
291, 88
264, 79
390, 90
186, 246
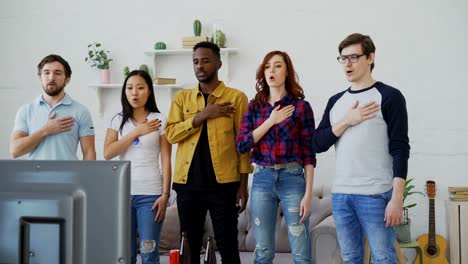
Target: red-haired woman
278, 127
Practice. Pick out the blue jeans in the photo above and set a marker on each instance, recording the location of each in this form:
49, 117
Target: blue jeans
356, 215
149, 231
269, 187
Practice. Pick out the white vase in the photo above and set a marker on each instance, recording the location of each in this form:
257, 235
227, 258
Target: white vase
105, 76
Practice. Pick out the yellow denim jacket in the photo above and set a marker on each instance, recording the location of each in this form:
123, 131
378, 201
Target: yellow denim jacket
222, 131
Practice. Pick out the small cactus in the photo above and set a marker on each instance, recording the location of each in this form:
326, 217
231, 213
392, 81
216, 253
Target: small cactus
126, 71
219, 38
160, 45
145, 68
197, 26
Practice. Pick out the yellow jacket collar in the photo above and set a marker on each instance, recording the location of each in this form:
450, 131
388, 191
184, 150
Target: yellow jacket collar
218, 91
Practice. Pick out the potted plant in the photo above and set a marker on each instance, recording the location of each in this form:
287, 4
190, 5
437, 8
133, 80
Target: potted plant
126, 71
218, 36
98, 57
402, 230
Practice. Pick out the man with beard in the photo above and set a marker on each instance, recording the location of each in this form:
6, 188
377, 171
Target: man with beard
51, 127
210, 174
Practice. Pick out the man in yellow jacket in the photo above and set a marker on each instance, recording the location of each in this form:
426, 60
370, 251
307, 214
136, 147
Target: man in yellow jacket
209, 173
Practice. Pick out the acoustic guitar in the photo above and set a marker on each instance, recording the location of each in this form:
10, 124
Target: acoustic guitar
433, 245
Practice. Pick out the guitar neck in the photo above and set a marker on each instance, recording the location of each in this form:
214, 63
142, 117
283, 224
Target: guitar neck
432, 237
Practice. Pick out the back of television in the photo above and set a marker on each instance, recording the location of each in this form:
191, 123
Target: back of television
64, 211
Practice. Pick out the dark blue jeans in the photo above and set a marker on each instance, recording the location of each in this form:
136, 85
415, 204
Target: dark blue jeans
142, 219
356, 215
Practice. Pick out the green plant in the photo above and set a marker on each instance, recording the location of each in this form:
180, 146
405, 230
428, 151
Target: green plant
219, 38
145, 68
403, 230
197, 26
126, 71
409, 191
98, 57
159, 45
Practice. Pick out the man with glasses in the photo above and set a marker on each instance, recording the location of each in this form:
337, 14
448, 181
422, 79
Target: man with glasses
368, 124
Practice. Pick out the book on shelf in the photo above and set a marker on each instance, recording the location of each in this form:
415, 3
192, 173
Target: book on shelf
160, 80
459, 199
189, 42
188, 45
458, 193
194, 39
465, 193
458, 196
458, 189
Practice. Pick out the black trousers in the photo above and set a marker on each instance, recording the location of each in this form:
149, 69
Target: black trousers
193, 206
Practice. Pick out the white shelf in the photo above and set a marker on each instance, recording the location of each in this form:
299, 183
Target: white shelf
119, 86
99, 88
225, 57
186, 51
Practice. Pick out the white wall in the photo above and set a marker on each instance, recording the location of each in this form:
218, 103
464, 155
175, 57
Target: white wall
421, 49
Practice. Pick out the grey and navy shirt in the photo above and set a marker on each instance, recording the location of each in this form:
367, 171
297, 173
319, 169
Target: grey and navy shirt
370, 154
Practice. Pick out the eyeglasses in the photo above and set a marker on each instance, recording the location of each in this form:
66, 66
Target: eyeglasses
351, 58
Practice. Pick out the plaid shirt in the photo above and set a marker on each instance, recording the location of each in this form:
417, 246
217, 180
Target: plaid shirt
288, 141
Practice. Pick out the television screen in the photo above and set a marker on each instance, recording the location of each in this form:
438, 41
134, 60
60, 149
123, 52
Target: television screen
64, 211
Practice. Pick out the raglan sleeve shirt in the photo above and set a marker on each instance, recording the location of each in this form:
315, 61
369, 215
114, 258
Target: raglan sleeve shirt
395, 115
324, 137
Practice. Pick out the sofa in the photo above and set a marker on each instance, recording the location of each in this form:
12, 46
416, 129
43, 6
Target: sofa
325, 248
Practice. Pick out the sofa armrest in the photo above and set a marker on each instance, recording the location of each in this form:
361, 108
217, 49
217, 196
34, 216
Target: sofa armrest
325, 248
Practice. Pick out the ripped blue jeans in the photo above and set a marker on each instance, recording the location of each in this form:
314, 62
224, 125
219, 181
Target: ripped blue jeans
149, 231
269, 188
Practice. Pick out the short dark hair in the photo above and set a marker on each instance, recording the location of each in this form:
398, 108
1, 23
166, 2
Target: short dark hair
366, 42
52, 58
208, 45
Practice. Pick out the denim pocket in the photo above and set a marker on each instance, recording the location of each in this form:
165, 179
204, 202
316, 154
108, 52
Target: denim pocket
257, 170
296, 170
379, 196
384, 196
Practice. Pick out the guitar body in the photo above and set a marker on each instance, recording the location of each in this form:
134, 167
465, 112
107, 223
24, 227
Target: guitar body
433, 246
432, 254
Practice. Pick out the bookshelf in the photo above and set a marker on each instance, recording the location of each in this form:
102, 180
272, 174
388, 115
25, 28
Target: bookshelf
225, 57
458, 231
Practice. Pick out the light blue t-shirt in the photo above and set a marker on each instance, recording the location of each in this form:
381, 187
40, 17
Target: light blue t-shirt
62, 146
